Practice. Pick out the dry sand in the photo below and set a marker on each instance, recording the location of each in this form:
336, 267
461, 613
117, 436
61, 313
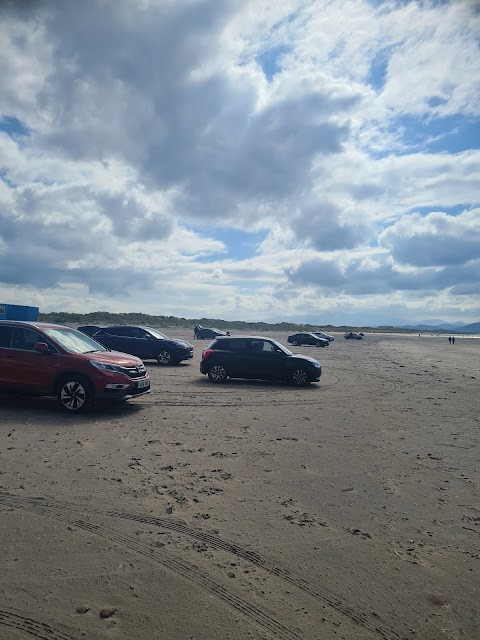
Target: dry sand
252, 510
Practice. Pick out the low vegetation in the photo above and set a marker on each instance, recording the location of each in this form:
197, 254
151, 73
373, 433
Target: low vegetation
171, 322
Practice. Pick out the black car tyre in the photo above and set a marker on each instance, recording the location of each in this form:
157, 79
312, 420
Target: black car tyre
320, 344
75, 394
164, 358
218, 373
299, 378
295, 343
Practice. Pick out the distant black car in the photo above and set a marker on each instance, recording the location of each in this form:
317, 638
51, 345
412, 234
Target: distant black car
89, 329
145, 343
351, 335
308, 338
257, 358
202, 333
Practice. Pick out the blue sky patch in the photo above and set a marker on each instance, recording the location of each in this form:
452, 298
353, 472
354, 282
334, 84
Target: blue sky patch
13, 126
451, 211
269, 60
240, 245
378, 70
452, 134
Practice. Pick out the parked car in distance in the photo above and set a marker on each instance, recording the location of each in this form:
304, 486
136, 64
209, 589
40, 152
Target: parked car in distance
38, 358
325, 336
145, 343
308, 338
202, 333
257, 358
89, 329
351, 335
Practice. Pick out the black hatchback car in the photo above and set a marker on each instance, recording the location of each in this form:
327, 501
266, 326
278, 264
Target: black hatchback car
145, 343
308, 338
257, 358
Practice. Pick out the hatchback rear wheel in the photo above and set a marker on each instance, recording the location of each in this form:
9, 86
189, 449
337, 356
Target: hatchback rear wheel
75, 394
299, 378
218, 373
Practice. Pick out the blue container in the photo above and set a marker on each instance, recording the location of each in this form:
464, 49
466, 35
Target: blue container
18, 312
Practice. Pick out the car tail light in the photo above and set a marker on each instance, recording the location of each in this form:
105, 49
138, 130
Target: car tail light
206, 353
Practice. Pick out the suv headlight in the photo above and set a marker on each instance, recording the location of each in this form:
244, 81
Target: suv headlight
105, 366
316, 364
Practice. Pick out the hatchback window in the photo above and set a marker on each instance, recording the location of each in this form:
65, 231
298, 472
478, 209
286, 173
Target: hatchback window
235, 345
5, 337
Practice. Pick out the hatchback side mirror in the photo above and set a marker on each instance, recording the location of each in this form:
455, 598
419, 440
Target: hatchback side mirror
42, 347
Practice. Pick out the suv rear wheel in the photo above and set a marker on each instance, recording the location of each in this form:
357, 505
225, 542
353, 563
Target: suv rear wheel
75, 394
299, 378
218, 373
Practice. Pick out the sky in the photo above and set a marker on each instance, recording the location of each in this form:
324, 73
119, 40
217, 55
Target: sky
242, 159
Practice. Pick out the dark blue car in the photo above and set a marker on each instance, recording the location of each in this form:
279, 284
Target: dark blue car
145, 343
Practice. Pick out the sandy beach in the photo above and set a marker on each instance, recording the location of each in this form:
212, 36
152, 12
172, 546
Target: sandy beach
252, 510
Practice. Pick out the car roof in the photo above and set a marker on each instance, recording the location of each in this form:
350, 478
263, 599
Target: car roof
244, 338
35, 325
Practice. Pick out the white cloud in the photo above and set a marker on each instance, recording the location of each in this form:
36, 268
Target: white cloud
434, 240
138, 131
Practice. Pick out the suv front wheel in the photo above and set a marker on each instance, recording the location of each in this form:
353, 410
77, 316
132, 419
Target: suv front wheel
218, 373
75, 394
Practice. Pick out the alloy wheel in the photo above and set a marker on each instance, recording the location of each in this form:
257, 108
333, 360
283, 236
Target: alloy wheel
164, 357
217, 373
299, 378
73, 396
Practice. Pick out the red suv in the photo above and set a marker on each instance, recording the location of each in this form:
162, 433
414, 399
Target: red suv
37, 358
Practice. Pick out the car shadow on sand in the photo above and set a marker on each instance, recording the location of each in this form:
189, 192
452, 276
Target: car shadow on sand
248, 383
25, 406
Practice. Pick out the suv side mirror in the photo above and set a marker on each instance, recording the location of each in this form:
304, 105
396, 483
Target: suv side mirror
42, 347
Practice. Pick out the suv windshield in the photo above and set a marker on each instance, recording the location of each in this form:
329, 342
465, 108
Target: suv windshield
74, 341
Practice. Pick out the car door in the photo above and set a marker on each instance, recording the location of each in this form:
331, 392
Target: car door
31, 370
142, 344
5, 354
265, 361
114, 338
235, 355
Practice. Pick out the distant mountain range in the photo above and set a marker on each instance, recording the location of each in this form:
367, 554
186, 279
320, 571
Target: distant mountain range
451, 327
435, 325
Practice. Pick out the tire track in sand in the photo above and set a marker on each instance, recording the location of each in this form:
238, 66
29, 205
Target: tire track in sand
256, 615
327, 599
32, 627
